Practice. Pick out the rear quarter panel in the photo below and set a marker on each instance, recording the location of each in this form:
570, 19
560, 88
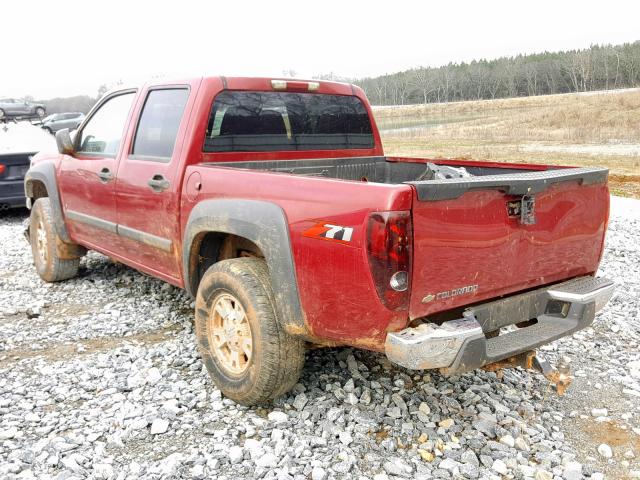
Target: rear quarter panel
337, 294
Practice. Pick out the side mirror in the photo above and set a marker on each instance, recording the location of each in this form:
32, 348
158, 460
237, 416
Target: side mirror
63, 140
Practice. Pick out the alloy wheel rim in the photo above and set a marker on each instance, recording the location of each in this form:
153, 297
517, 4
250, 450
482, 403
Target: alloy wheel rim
230, 335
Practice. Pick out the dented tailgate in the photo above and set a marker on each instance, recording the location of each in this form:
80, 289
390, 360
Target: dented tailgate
491, 236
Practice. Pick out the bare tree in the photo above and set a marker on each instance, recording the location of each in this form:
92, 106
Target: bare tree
425, 81
531, 74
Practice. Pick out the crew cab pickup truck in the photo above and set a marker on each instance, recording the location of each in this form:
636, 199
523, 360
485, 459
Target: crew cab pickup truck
272, 203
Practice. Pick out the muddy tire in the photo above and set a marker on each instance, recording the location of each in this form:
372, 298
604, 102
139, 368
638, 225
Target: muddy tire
243, 344
44, 239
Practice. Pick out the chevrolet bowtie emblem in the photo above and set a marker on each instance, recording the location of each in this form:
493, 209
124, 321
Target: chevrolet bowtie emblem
428, 298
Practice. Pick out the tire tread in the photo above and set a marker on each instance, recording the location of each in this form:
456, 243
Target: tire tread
283, 354
56, 269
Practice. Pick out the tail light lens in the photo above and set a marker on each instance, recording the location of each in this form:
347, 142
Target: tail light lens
3, 169
389, 247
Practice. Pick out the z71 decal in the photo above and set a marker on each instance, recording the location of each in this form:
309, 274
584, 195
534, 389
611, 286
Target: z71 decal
327, 231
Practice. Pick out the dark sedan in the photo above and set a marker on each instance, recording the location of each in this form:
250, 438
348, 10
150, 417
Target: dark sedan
18, 143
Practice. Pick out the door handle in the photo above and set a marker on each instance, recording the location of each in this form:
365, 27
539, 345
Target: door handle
105, 175
158, 183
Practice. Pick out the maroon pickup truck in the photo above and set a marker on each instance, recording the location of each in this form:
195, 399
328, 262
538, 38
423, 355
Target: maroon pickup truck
272, 203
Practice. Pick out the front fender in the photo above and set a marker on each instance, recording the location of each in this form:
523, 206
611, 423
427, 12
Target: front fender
265, 224
45, 172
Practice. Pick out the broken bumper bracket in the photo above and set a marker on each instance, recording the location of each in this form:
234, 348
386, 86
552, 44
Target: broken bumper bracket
560, 377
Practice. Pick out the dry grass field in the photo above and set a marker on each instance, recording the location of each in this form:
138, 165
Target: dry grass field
597, 128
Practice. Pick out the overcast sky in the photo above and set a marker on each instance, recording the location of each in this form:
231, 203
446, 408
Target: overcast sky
61, 48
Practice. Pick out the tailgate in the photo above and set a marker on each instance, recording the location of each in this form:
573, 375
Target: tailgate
476, 239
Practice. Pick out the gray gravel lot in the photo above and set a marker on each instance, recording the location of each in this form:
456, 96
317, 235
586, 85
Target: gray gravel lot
100, 378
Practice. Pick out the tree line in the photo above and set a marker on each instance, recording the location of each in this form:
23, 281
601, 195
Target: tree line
600, 67
78, 103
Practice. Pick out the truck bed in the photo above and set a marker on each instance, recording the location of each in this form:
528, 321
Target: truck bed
478, 220
371, 169
514, 179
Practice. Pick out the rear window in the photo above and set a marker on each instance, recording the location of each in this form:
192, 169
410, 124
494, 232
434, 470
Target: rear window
270, 121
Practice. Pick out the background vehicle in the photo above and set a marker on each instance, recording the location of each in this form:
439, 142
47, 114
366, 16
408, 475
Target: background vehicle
18, 143
58, 121
272, 203
13, 108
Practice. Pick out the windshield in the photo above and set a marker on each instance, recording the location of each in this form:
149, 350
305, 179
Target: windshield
271, 121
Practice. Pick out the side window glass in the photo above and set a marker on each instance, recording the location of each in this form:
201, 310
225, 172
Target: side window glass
103, 132
159, 123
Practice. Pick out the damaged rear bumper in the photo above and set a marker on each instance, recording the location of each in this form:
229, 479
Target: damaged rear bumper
461, 345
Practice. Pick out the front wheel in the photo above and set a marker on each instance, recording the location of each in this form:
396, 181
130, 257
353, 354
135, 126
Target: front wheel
1, 113
243, 344
44, 239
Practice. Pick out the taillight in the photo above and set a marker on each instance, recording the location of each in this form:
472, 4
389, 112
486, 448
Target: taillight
389, 248
3, 169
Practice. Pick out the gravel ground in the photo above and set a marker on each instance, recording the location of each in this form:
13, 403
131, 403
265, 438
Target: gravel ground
100, 378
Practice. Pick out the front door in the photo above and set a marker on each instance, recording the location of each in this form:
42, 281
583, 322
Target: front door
148, 184
87, 178
11, 106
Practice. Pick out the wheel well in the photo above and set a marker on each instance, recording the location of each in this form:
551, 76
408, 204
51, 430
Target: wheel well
212, 247
36, 189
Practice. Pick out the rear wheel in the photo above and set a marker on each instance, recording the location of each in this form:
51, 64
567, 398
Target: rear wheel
44, 241
245, 348
40, 112
1, 113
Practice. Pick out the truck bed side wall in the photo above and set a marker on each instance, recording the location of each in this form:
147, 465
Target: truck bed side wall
337, 294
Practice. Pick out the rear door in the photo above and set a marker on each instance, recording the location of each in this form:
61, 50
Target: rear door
476, 246
148, 185
74, 121
87, 178
22, 107
64, 121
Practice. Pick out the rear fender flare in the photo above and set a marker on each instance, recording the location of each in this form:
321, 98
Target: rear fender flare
45, 172
263, 223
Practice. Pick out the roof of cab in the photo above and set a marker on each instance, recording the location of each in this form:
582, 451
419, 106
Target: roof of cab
248, 83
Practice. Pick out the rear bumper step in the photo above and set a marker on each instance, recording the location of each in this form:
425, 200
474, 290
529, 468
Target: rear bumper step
461, 345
